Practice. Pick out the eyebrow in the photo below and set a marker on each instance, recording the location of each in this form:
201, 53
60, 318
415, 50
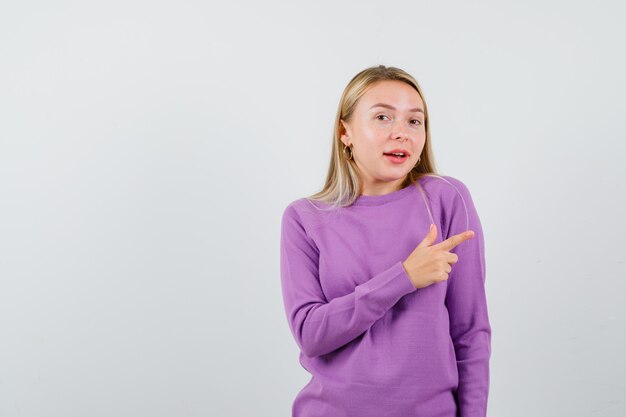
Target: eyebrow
393, 108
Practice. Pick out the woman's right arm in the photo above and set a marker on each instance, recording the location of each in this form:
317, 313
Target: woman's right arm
320, 326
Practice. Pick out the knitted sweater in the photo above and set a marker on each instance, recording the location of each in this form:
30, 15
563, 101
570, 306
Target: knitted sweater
374, 344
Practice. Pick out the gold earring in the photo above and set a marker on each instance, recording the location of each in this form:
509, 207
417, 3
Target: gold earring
344, 152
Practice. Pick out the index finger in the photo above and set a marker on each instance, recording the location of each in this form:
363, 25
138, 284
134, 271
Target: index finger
453, 241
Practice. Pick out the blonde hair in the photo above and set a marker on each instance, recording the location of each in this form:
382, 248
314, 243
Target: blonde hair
342, 181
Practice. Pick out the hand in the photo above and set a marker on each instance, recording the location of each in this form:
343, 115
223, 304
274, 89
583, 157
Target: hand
427, 264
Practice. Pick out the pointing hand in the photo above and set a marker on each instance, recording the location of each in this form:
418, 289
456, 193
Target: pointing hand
428, 264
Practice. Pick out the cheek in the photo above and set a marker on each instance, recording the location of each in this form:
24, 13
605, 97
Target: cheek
420, 139
370, 133
374, 150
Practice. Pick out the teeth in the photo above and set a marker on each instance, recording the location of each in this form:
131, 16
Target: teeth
398, 154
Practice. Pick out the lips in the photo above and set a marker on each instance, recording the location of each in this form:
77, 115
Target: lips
396, 159
397, 151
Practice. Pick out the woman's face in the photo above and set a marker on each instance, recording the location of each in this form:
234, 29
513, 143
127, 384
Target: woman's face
389, 116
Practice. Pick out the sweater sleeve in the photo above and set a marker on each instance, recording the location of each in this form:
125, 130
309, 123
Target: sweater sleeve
467, 306
318, 325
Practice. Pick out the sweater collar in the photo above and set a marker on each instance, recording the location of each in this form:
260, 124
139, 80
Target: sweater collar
377, 200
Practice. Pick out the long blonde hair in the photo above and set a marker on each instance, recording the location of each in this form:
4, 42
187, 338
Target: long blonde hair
342, 181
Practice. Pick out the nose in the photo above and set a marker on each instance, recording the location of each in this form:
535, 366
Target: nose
399, 132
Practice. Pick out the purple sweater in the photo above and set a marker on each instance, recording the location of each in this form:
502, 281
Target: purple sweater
374, 344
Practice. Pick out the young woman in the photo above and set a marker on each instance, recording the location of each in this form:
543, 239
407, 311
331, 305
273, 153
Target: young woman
383, 270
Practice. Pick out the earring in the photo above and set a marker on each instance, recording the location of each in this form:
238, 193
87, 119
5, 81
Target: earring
345, 154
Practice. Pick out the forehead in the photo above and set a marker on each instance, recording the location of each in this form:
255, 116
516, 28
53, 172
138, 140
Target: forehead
396, 93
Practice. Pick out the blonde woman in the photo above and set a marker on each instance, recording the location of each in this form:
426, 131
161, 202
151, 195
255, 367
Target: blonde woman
383, 270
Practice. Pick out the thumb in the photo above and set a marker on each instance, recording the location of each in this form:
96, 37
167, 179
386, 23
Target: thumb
430, 237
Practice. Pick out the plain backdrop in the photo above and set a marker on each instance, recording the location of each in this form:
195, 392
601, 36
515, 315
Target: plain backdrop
149, 148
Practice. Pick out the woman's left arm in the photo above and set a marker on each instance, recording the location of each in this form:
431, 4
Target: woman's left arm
467, 304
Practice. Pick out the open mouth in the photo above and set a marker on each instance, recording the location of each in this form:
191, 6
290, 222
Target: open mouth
399, 156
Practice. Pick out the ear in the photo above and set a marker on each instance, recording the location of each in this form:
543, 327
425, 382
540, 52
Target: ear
344, 132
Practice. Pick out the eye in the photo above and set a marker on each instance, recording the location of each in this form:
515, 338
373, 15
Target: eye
381, 115
418, 122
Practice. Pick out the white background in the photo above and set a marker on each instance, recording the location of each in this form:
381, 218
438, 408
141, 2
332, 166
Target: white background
148, 149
